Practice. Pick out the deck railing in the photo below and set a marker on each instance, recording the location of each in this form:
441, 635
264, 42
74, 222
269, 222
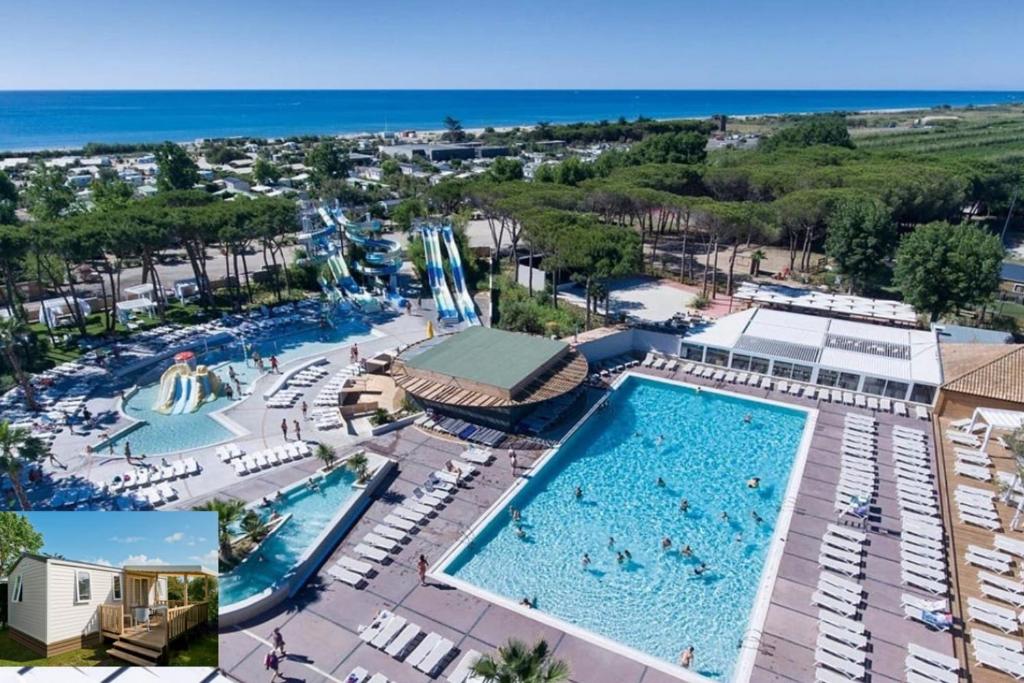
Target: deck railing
111, 618
181, 620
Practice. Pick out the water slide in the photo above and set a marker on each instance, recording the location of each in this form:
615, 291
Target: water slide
183, 390
346, 285
382, 258
446, 311
465, 302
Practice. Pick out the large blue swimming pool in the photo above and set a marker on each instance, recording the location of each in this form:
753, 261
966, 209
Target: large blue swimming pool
311, 512
702, 447
174, 433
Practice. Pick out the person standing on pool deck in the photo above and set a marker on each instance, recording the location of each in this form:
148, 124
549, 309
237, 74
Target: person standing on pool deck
277, 640
513, 463
284, 428
421, 567
271, 663
298, 432
273, 364
305, 409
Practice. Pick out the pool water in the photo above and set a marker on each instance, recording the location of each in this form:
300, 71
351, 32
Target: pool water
705, 451
174, 433
311, 512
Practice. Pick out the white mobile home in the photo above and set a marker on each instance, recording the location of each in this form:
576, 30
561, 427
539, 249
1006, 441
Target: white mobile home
56, 605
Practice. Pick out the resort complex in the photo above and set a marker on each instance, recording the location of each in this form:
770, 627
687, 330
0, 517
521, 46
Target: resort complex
626, 402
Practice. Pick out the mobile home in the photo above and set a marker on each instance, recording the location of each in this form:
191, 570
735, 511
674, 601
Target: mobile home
56, 605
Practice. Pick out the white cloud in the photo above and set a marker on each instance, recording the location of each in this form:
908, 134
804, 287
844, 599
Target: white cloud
100, 560
209, 560
142, 559
127, 539
175, 537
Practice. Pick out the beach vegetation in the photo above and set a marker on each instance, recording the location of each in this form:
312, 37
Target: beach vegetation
517, 662
358, 464
453, 131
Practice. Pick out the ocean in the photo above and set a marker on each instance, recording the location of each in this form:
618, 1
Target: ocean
31, 120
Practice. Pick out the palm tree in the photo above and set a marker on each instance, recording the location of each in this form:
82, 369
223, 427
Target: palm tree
254, 526
517, 663
357, 463
11, 332
228, 512
17, 448
325, 453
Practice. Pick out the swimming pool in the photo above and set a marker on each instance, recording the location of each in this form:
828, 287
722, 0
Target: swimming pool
701, 445
311, 512
174, 433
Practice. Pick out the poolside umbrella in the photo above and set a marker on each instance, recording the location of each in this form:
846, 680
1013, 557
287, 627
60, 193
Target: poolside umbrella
430, 329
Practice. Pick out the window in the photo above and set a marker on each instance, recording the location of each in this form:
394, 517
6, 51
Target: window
802, 373
16, 594
828, 378
873, 385
717, 357
117, 588
83, 586
781, 369
922, 393
759, 365
692, 352
848, 380
740, 362
896, 389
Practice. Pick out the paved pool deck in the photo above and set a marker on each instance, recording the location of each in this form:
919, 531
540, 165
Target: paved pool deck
321, 623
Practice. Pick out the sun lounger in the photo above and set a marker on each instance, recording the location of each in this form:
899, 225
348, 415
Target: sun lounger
992, 640
832, 564
972, 471
477, 455
378, 678
851, 638
989, 559
1004, 624
380, 542
921, 412
400, 523
936, 660
1000, 660
967, 517
464, 668
400, 645
353, 565
838, 606
437, 654
375, 554
998, 593
1009, 545
980, 458
390, 533
357, 675
860, 401
406, 513
925, 584
388, 632
369, 632
825, 654
344, 575
423, 649
963, 439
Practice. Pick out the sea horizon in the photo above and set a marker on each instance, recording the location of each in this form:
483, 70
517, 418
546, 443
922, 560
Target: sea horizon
33, 120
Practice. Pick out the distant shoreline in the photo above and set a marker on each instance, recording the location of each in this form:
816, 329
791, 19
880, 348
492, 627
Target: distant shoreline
149, 117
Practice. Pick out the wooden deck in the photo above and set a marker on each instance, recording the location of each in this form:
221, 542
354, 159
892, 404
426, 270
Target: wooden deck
965, 576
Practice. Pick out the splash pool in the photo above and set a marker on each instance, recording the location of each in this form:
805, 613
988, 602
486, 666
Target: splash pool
157, 433
311, 512
705, 450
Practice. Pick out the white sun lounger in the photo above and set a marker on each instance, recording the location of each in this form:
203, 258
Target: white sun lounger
464, 668
344, 575
423, 649
368, 633
980, 458
847, 532
853, 639
411, 515
967, 517
380, 542
900, 408
851, 658
989, 559
1009, 545
992, 640
399, 523
376, 554
353, 565
936, 659
1000, 660
436, 655
921, 412
390, 533
928, 585
1002, 594
387, 633
478, 456
400, 645
972, 471
839, 606
357, 675
1004, 624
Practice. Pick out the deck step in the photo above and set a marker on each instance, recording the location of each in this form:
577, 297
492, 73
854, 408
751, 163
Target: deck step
118, 653
140, 643
140, 649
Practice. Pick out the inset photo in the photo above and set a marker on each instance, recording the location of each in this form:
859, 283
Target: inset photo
108, 589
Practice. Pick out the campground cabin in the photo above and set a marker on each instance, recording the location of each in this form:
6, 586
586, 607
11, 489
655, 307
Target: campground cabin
56, 605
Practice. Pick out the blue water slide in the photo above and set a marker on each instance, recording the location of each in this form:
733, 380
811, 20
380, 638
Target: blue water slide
446, 311
182, 392
462, 296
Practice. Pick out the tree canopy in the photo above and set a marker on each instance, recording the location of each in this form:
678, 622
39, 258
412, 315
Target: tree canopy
860, 238
942, 267
17, 536
175, 168
824, 129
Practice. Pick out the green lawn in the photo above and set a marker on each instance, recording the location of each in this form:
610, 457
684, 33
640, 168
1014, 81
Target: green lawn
13, 654
201, 651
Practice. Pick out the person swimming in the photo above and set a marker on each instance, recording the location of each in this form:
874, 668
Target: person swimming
579, 492
739, 537
611, 541
684, 505
586, 560
753, 482
748, 418
526, 602
666, 543
660, 440
697, 571
620, 558
520, 533
660, 482
687, 551
756, 517
725, 516
627, 554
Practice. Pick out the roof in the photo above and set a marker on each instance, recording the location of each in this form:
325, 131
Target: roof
1012, 272
487, 356
1001, 379
172, 569
959, 359
836, 304
962, 334
847, 345
75, 563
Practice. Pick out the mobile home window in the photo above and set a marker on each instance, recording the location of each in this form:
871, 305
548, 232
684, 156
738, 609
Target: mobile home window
83, 586
117, 587
16, 594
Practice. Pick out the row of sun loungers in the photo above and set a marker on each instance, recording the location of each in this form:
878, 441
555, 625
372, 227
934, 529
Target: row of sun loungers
308, 377
141, 476
858, 473
548, 413
328, 394
285, 398
271, 457
327, 418
467, 431
977, 507
398, 637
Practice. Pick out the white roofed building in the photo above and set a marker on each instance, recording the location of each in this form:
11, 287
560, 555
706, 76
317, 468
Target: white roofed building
898, 363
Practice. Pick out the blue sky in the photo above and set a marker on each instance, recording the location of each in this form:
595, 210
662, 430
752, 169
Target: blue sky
119, 538
815, 44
